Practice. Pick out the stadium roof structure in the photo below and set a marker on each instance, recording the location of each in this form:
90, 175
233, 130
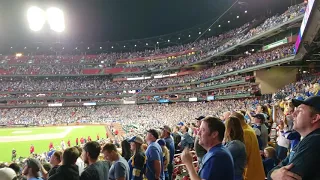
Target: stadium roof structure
114, 26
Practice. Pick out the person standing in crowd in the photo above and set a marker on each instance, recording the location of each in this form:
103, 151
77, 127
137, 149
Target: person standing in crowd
217, 163
125, 150
68, 170
55, 162
96, 170
200, 151
254, 168
225, 116
259, 123
176, 138
50, 146
166, 135
166, 157
137, 162
303, 159
282, 142
13, 155
235, 144
32, 169
270, 159
154, 157
8, 174
77, 141
186, 139
120, 167
69, 143
80, 162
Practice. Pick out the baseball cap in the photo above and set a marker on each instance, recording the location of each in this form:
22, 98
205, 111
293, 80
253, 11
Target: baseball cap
136, 139
154, 133
166, 128
7, 174
260, 116
313, 101
33, 164
161, 142
200, 118
180, 124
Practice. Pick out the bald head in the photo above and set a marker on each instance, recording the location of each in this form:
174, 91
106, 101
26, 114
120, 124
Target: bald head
225, 115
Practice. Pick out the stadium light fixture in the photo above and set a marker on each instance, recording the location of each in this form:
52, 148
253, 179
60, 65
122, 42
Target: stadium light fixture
55, 18
189, 35
245, 11
76, 47
100, 47
237, 17
135, 45
36, 18
25, 47
147, 44
10, 47
62, 47
88, 47
168, 40
228, 21
37, 47
209, 29
112, 47
179, 38
219, 25
157, 42
124, 46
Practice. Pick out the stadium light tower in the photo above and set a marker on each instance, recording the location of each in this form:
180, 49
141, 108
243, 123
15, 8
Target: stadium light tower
36, 18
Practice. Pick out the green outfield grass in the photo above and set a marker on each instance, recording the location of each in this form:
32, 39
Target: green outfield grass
41, 146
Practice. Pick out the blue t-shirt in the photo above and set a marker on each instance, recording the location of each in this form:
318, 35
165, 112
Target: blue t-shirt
154, 152
217, 164
170, 145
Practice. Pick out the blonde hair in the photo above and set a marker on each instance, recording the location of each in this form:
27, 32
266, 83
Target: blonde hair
271, 151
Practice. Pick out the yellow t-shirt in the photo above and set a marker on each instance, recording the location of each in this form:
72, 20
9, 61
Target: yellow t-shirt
254, 169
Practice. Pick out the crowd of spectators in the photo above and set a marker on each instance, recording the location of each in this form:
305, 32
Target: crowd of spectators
75, 64
270, 119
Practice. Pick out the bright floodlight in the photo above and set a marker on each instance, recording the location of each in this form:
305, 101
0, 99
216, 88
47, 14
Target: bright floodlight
56, 19
36, 18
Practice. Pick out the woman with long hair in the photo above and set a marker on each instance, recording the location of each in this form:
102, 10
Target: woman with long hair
137, 162
235, 143
125, 150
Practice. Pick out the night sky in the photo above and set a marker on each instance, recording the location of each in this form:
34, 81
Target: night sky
93, 21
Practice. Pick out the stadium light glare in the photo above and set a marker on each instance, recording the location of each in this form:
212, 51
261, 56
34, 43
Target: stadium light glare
147, 44
179, 38
18, 54
199, 32
10, 47
245, 11
55, 18
100, 47
219, 25
157, 42
189, 35
237, 17
168, 40
135, 45
209, 29
228, 21
36, 18
124, 46
112, 47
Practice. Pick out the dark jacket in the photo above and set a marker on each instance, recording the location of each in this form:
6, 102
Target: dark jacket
65, 172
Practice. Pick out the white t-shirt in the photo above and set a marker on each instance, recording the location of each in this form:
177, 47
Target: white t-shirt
80, 165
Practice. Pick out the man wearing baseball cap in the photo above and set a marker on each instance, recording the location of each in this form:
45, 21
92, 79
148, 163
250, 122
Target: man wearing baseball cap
154, 157
166, 135
32, 169
303, 159
7, 174
259, 123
